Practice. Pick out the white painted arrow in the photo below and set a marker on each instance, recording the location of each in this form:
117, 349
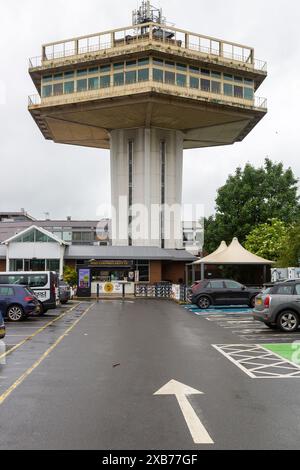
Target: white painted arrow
181, 391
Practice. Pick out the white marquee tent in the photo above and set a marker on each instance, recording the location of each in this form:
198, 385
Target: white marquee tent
234, 254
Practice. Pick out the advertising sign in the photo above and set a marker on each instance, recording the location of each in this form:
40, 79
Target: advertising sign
110, 288
84, 279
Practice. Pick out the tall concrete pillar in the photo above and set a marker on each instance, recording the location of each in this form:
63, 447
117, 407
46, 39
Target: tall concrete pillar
146, 177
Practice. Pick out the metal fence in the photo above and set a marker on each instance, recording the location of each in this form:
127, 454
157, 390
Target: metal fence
178, 293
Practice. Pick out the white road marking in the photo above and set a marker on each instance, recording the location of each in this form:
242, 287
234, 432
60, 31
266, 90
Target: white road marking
250, 357
181, 392
16, 336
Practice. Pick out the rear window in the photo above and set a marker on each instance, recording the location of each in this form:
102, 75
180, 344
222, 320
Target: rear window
29, 291
266, 291
283, 290
200, 284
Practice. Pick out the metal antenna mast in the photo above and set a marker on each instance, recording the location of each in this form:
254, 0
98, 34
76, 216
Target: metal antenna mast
147, 13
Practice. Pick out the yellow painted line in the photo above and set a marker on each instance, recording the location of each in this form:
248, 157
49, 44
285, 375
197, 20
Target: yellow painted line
17, 346
26, 374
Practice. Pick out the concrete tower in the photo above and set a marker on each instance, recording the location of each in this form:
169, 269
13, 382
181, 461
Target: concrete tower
147, 92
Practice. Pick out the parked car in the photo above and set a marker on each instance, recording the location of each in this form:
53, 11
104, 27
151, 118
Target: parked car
18, 302
279, 306
2, 327
222, 292
64, 292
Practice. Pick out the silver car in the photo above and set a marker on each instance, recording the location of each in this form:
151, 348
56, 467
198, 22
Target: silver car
279, 306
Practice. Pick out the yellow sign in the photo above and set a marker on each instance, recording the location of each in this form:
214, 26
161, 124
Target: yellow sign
108, 287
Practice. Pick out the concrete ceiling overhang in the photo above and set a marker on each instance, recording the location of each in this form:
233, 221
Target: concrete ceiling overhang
88, 123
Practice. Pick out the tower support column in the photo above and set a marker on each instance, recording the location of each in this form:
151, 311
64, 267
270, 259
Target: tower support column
146, 181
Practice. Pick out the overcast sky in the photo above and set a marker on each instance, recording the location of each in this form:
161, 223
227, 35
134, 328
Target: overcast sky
45, 177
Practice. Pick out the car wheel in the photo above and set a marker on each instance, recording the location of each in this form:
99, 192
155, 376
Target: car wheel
15, 313
271, 325
252, 302
204, 303
42, 310
288, 321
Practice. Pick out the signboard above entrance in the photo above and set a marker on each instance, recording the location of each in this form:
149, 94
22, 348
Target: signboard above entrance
111, 264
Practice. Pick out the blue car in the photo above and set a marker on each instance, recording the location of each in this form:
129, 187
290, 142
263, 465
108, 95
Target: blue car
2, 327
18, 302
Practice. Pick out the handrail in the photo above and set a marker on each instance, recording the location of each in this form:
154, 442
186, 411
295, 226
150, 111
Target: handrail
181, 39
146, 86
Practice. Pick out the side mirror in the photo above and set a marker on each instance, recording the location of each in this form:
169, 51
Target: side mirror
244, 287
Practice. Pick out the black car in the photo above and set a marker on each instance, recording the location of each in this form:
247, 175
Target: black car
223, 292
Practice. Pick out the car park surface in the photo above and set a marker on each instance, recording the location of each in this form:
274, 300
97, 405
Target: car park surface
108, 359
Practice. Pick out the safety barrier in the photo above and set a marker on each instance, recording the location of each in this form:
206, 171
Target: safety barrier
175, 292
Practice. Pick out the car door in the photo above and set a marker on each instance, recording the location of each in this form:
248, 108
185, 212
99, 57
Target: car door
216, 290
236, 293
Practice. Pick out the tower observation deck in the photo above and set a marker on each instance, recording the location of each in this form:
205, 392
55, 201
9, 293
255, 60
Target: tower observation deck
146, 92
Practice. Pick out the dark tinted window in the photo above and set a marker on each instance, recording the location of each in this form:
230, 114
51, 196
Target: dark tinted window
21, 279
215, 285
37, 280
283, 290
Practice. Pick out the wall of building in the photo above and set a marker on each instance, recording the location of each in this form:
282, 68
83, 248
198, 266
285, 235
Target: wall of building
173, 271
34, 250
2, 265
145, 174
155, 271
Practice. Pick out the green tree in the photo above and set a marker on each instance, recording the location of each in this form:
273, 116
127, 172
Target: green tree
70, 275
268, 240
290, 253
249, 198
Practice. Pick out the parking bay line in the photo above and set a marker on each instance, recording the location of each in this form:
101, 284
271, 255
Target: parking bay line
29, 371
28, 338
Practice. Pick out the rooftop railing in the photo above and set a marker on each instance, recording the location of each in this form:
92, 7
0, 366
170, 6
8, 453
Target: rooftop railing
148, 33
146, 86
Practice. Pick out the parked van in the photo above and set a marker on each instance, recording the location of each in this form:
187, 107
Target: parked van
44, 285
